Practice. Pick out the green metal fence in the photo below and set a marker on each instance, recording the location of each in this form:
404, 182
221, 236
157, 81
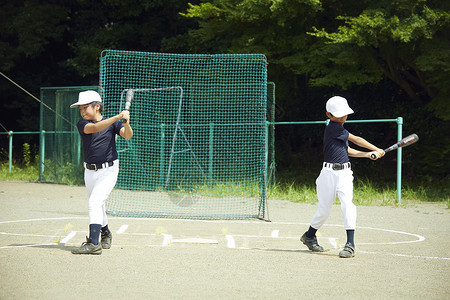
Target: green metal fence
204, 142
270, 154
399, 122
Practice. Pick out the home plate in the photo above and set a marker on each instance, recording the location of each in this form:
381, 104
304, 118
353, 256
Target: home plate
195, 241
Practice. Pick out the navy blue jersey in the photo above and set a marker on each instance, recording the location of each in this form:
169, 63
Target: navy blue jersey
99, 147
335, 144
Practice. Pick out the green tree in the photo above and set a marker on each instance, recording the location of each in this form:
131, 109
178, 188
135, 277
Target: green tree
58, 43
404, 41
271, 27
47, 43
127, 25
394, 54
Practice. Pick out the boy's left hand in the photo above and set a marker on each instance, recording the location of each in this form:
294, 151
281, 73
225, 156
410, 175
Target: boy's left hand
378, 154
125, 114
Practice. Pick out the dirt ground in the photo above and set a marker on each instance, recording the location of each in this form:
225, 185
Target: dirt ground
402, 253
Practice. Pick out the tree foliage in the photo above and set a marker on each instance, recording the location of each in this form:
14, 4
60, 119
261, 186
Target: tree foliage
405, 41
400, 46
390, 57
58, 43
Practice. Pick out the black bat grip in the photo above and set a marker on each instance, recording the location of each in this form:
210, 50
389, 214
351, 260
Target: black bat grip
130, 95
123, 121
373, 156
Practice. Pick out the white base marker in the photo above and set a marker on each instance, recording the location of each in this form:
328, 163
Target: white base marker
230, 241
275, 233
333, 242
167, 239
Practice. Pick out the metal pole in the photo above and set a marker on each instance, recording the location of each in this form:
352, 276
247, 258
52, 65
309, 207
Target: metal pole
177, 126
78, 149
266, 160
399, 160
162, 146
10, 150
266, 151
41, 154
211, 151
41, 136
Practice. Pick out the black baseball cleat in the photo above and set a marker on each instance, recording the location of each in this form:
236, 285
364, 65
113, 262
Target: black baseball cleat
88, 248
348, 251
311, 243
106, 239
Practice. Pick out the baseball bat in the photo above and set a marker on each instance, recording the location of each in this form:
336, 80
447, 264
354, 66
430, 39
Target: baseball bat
128, 99
409, 140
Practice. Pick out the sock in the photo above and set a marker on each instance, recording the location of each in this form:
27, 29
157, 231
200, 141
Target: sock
106, 229
311, 232
351, 237
94, 232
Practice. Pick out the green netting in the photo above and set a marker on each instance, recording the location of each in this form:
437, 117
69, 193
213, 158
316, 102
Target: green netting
60, 143
199, 145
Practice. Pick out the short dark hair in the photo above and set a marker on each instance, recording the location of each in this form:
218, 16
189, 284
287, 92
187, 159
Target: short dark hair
95, 103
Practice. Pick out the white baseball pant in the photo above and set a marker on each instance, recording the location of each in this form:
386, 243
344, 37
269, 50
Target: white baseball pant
99, 184
329, 184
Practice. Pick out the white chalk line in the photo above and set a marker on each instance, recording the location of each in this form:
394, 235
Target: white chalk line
165, 220
405, 255
122, 229
332, 240
44, 219
26, 246
419, 238
231, 243
195, 240
274, 233
68, 237
139, 234
357, 251
63, 241
28, 234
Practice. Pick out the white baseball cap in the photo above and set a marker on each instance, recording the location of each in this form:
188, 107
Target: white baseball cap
87, 97
338, 106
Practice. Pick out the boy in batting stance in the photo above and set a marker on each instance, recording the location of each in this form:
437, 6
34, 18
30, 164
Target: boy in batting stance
101, 165
336, 176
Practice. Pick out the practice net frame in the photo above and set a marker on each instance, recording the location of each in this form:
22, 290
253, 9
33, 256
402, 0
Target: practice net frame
199, 148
